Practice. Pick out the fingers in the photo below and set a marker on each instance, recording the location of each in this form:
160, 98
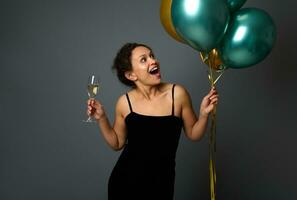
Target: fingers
89, 107
94, 103
93, 107
214, 102
211, 92
210, 101
213, 99
214, 96
91, 101
90, 110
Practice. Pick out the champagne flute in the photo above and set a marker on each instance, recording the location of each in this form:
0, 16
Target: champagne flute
92, 89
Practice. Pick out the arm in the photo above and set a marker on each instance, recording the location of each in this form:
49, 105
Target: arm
115, 135
195, 128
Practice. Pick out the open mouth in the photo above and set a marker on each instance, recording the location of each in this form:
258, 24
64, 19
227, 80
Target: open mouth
154, 70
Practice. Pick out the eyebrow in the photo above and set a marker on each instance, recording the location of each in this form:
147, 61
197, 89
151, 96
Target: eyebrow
150, 52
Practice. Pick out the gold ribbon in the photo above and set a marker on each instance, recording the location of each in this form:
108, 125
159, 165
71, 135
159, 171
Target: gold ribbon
215, 71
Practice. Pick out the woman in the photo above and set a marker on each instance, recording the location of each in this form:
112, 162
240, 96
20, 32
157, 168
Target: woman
147, 126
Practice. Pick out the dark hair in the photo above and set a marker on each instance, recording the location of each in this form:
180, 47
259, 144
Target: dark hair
122, 62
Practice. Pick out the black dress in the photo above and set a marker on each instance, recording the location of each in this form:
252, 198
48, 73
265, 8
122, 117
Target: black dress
146, 166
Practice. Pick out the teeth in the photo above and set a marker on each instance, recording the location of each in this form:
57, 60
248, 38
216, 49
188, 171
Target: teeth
153, 69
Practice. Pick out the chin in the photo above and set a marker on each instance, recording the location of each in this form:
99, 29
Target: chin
158, 82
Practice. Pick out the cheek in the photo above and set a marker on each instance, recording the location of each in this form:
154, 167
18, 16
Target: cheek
140, 69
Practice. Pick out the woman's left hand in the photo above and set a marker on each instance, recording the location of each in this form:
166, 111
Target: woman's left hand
209, 102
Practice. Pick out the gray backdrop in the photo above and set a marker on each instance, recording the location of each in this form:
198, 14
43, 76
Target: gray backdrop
48, 49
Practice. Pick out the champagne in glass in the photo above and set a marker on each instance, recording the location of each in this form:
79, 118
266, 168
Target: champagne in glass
92, 88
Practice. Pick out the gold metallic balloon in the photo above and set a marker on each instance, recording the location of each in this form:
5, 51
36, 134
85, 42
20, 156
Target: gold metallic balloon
165, 17
212, 59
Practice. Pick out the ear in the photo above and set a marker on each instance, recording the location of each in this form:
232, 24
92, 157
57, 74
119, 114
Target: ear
131, 76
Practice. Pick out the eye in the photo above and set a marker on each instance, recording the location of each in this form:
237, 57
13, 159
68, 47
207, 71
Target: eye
143, 60
152, 55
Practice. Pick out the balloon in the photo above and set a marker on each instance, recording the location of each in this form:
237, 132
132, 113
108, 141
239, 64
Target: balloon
201, 23
234, 5
212, 59
165, 17
250, 37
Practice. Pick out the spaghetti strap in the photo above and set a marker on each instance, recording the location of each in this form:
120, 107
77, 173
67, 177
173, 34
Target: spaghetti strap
129, 102
173, 99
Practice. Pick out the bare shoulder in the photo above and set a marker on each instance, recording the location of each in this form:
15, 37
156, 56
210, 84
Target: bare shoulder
167, 87
182, 98
122, 106
181, 93
121, 100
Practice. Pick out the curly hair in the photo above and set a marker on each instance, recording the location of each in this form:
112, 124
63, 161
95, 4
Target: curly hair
122, 62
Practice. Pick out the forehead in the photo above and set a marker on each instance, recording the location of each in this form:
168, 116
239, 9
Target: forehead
139, 51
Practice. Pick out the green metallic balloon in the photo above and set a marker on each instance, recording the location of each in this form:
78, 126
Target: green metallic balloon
249, 39
201, 23
234, 5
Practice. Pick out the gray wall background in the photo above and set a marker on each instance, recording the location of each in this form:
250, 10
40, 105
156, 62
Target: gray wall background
47, 51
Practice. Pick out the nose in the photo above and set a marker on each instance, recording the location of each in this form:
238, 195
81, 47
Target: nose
153, 61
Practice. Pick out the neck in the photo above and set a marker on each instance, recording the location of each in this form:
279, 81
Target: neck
148, 92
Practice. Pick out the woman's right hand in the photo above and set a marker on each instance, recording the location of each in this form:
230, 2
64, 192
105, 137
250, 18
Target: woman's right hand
95, 109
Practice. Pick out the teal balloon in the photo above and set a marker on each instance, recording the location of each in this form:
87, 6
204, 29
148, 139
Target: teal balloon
234, 5
201, 23
249, 39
